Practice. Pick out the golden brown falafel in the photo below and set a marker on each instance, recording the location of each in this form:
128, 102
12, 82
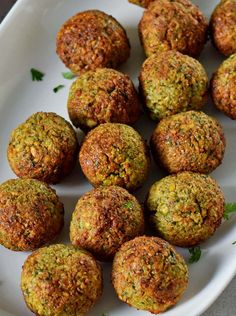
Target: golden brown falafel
149, 274
173, 25
223, 87
104, 219
223, 27
92, 39
102, 96
31, 214
115, 154
188, 141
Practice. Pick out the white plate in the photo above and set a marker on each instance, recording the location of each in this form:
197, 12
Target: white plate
27, 39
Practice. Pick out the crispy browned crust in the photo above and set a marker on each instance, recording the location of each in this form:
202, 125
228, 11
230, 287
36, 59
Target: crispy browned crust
141, 3
61, 280
222, 27
102, 96
189, 141
223, 87
173, 25
149, 274
104, 219
115, 154
185, 209
90, 40
31, 214
44, 147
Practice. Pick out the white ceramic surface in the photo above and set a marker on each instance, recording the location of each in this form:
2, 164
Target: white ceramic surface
27, 39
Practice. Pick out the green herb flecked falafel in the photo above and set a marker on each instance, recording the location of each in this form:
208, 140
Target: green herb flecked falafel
171, 82
186, 208
44, 147
61, 280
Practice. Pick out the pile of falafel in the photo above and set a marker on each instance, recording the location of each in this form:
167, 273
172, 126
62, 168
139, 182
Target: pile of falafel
109, 223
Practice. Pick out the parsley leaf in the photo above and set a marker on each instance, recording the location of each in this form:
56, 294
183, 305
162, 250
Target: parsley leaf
195, 254
36, 74
129, 205
234, 243
229, 208
68, 75
56, 89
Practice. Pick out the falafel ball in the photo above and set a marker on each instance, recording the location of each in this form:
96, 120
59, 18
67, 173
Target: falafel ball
222, 27
61, 280
149, 274
44, 147
173, 25
223, 87
171, 82
104, 219
115, 154
186, 208
31, 214
141, 3
188, 141
92, 39
102, 96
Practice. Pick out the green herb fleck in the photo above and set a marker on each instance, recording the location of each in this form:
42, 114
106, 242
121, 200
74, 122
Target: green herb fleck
234, 243
36, 74
56, 89
129, 205
195, 254
68, 75
103, 314
229, 208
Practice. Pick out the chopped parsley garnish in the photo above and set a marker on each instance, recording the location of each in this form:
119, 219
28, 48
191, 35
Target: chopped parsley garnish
56, 89
36, 74
68, 75
229, 208
195, 254
129, 205
234, 243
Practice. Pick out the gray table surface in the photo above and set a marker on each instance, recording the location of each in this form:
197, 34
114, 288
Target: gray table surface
225, 305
